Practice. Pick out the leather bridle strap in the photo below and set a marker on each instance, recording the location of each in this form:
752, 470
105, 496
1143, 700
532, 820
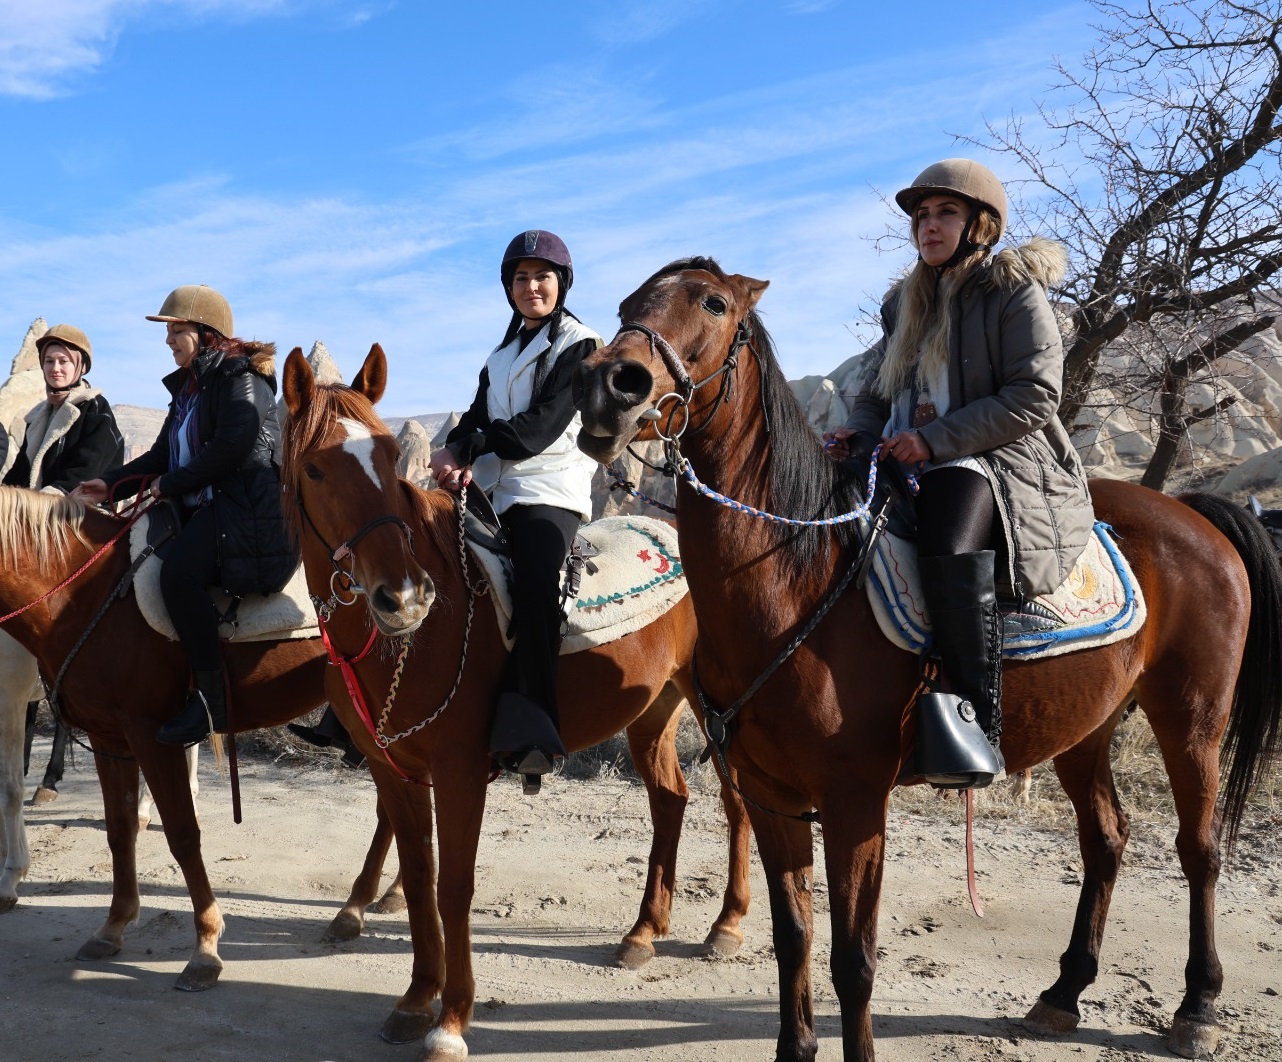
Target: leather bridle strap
344, 550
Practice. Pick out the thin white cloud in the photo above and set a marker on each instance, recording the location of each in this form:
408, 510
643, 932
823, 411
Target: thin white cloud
47, 47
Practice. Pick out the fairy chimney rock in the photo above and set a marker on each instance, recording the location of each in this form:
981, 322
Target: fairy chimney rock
28, 357
451, 422
323, 365
416, 449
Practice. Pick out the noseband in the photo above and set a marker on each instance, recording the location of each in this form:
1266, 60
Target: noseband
669, 433
345, 551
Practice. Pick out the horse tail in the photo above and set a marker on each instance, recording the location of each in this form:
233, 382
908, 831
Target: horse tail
1255, 722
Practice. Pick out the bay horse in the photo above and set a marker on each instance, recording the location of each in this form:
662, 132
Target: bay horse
831, 729
362, 527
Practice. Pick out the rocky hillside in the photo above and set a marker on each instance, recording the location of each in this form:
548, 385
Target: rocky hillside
1239, 455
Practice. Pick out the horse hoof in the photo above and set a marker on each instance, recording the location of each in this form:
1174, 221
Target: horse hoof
441, 1046
402, 1027
721, 944
346, 926
1193, 1039
630, 955
143, 822
392, 903
1045, 1020
96, 948
43, 795
8, 903
198, 977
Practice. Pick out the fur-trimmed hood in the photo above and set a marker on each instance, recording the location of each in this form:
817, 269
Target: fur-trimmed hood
1041, 260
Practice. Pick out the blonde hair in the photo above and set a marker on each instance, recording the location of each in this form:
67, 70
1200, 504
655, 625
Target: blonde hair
923, 314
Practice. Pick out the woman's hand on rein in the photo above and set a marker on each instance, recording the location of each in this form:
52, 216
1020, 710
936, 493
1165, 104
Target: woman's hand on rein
906, 447
92, 491
446, 472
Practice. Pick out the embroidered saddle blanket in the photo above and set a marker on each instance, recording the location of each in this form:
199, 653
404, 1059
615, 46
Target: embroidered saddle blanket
1099, 603
632, 579
257, 617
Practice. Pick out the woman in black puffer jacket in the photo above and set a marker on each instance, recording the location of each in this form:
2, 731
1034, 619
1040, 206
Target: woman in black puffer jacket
216, 455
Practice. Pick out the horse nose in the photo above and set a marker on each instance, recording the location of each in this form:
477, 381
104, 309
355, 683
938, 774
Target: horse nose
628, 384
385, 601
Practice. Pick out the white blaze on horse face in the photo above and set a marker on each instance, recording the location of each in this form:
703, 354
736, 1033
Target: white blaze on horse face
360, 444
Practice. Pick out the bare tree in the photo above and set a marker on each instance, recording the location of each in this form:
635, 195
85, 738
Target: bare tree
1157, 164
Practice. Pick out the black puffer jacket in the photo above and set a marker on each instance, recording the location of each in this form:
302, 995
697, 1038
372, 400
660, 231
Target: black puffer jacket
238, 459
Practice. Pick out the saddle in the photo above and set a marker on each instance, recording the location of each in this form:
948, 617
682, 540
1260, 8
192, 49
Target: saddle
622, 574
260, 617
1270, 518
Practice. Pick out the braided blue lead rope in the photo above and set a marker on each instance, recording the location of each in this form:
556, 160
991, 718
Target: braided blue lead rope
860, 511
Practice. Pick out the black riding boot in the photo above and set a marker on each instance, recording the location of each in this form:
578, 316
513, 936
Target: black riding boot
329, 733
204, 712
958, 743
524, 739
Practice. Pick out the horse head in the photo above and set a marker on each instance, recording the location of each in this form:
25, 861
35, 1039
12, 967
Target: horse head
672, 362
340, 476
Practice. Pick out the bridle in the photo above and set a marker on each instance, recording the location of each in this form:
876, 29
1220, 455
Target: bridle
345, 551
670, 432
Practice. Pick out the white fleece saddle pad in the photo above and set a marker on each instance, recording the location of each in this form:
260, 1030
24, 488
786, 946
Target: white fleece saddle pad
1099, 603
260, 617
638, 578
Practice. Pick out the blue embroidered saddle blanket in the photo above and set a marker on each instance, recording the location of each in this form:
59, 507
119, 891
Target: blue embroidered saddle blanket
1099, 603
634, 577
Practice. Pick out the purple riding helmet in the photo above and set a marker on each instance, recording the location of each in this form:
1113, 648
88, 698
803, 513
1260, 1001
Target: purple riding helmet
538, 243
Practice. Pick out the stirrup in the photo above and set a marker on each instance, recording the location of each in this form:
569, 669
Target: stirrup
952, 751
180, 732
531, 784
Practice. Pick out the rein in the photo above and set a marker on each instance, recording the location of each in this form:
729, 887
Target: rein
347, 664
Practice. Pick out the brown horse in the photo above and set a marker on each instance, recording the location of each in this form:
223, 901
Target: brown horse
401, 544
124, 681
830, 729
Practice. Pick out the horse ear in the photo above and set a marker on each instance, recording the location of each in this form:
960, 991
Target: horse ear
750, 290
371, 381
299, 383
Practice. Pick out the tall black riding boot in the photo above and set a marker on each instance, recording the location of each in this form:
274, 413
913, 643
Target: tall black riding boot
329, 732
524, 739
962, 603
204, 712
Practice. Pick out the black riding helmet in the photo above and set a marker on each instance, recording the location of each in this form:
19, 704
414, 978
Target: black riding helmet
544, 245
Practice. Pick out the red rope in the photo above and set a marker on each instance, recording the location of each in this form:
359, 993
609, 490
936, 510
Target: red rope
357, 695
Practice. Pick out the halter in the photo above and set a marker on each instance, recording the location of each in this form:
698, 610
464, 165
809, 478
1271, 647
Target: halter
669, 433
344, 551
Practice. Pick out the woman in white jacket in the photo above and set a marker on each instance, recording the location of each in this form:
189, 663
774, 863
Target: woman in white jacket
517, 442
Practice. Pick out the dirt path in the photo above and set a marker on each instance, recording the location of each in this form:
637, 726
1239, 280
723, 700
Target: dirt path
558, 882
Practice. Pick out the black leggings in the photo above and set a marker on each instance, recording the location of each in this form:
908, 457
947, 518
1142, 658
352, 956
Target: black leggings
190, 567
539, 537
955, 512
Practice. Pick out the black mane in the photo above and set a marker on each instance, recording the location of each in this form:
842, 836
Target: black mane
804, 483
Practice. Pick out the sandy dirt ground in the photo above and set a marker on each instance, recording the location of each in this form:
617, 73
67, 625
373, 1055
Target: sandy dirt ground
559, 879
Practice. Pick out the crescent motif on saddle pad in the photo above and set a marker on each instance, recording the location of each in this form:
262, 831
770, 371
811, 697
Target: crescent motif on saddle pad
1084, 574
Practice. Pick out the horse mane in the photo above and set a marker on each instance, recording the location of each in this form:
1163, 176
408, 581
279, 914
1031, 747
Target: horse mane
804, 483
304, 430
44, 524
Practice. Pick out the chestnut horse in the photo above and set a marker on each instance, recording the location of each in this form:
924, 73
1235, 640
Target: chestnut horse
830, 729
362, 527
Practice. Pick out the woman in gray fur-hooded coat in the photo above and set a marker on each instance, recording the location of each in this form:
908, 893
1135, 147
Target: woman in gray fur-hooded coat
964, 390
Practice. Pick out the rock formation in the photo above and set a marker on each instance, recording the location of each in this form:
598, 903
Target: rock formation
323, 364
24, 388
416, 449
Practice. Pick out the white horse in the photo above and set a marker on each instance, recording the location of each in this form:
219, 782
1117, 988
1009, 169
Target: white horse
19, 684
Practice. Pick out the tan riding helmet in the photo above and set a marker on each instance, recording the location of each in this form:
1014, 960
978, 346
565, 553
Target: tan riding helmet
964, 177
68, 336
199, 304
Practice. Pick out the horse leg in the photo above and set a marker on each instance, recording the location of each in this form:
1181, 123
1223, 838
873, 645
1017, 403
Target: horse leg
118, 777
652, 741
787, 855
409, 809
1193, 766
349, 922
460, 806
145, 802
18, 674
47, 791
166, 770
1102, 832
855, 856
393, 900
725, 937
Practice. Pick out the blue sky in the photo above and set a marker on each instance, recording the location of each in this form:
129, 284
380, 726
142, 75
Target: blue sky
351, 171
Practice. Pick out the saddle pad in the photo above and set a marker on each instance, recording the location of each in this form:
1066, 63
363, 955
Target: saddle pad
260, 617
638, 578
1099, 603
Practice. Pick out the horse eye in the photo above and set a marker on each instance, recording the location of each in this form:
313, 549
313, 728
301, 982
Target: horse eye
715, 305
313, 472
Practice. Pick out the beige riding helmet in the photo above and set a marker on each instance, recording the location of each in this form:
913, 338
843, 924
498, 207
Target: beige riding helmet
199, 304
963, 177
68, 336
